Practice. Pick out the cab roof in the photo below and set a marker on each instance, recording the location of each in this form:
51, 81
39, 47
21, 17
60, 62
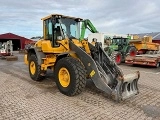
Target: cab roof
63, 16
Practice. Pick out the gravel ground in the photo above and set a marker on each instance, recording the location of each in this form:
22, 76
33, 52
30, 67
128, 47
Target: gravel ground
22, 98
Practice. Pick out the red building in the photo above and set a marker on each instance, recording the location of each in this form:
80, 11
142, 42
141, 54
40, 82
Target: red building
18, 41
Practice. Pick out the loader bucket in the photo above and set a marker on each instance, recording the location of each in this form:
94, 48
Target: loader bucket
127, 86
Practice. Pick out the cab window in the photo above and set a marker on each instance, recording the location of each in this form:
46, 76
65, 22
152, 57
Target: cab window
48, 29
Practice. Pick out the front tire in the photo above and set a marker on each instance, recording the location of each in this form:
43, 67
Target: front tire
70, 76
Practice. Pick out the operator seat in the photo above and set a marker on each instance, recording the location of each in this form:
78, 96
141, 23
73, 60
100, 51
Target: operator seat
58, 31
56, 34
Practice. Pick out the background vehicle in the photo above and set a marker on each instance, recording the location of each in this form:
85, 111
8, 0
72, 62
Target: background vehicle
147, 59
6, 48
116, 46
74, 60
6, 51
148, 52
143, 44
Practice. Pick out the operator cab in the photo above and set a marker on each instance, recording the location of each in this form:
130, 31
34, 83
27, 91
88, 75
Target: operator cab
119, 41
59, 27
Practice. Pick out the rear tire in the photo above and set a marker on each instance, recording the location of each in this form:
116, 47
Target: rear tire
117, 57
35, 72
132, 51
70, 76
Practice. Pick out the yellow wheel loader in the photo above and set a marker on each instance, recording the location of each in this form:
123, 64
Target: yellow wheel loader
73, 61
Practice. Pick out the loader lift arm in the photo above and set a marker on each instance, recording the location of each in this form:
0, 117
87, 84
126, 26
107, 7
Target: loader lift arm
87, 24
123, 86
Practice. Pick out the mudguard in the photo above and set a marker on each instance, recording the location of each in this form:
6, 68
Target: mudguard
38, 53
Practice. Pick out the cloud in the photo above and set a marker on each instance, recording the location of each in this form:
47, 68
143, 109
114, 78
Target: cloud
114, 16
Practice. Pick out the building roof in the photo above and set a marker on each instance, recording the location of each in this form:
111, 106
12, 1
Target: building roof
12, 36
155, 35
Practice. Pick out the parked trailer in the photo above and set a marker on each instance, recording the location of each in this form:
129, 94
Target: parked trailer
144, 59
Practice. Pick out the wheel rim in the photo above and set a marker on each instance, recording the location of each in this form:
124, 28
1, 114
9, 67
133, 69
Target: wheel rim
132, 53
32, 68
64, 77
118, 58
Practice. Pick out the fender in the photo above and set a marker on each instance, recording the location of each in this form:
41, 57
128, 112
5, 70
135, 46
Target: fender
37, 52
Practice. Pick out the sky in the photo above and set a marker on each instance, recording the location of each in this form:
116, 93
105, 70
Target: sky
112, 16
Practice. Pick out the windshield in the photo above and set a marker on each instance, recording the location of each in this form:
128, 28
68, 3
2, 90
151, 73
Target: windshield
119, 41
116, 41
70, 27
